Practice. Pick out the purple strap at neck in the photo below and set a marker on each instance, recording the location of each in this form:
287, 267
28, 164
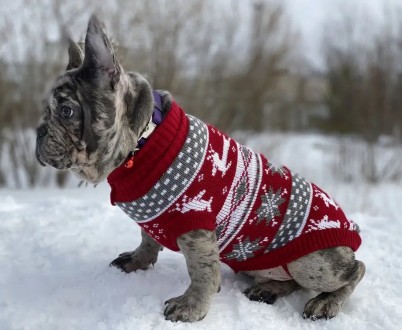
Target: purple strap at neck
156, 115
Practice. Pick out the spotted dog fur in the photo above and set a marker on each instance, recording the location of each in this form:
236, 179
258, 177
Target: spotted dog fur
92, 115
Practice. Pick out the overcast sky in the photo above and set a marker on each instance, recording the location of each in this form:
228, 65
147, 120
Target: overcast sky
311, 16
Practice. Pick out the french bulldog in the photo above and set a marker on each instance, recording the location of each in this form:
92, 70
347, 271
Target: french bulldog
193, 189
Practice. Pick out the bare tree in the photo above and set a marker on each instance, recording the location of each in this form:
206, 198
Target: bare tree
220, 70
364, 80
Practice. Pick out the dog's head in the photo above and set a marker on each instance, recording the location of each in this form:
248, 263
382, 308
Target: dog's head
94, 112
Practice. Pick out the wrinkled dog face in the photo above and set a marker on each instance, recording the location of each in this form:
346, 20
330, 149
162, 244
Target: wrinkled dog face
91, 121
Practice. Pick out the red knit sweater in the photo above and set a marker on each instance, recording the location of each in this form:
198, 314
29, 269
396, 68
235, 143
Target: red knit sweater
191, 176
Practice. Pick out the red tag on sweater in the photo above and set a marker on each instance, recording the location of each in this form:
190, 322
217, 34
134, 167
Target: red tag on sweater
130, 162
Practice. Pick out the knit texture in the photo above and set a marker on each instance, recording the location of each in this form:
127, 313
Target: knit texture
189, 176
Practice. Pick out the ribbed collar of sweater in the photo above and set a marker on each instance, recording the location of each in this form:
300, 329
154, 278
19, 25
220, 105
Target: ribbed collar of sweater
152, 160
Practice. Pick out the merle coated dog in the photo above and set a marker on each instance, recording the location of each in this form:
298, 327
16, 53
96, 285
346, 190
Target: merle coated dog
95, 115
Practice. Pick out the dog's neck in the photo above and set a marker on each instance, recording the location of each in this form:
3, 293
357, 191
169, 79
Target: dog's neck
137, 110
155, 120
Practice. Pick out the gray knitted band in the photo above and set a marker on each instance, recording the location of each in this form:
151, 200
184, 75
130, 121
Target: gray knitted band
296, 213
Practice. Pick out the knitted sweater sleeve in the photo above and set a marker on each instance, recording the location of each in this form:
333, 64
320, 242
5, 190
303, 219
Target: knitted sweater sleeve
182, 223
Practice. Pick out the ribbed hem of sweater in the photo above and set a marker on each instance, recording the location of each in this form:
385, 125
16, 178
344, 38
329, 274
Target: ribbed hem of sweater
298, 248
152, 160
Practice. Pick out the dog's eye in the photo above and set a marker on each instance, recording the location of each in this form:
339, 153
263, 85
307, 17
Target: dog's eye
66, 112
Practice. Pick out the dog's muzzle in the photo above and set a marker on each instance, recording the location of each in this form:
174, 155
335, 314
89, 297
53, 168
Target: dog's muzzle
41, 131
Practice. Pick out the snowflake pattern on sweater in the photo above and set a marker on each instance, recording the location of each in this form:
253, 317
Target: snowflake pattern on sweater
264, 216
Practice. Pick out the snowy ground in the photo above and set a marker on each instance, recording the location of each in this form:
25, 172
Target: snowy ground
55, 246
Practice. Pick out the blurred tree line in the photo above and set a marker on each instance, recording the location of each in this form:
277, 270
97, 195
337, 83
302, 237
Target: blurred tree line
236, 64
364, 96
364, 92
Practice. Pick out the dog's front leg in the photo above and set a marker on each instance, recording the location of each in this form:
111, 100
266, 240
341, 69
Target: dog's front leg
141, 258
202, 257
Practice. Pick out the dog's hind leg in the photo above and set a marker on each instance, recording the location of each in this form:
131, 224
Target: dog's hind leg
334, 272
270, 290
141, 258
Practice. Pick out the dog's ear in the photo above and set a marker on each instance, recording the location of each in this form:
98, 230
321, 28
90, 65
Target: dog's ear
75, 55
100, 61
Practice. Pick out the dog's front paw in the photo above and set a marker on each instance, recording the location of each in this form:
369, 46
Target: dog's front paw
324, 305
186, 308
133, 261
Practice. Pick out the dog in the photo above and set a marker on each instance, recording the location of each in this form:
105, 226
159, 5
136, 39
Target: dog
193, 189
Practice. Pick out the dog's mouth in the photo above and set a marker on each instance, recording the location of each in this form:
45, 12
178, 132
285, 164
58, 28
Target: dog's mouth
52, 156
55, 161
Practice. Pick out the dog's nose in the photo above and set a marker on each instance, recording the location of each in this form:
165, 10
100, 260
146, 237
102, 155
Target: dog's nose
41, 131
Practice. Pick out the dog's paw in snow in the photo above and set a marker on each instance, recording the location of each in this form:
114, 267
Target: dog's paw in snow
256, 294
185, 308
324, 306
132, 261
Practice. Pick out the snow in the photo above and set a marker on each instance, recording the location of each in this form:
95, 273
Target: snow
55, 246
